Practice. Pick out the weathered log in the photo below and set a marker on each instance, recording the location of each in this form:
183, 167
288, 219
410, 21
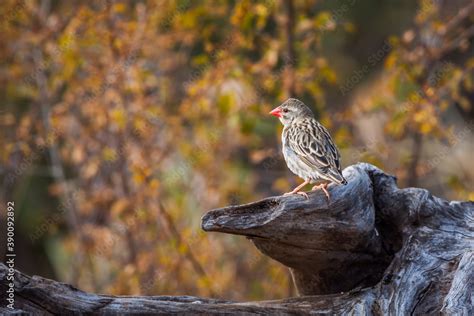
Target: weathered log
411, 251
391, 251
330, 247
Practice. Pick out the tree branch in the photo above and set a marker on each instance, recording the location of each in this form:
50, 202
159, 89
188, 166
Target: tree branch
391, 251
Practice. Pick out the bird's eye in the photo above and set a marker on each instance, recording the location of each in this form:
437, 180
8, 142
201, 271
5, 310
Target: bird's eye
285, 110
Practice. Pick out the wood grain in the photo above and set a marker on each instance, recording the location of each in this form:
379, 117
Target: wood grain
374, 250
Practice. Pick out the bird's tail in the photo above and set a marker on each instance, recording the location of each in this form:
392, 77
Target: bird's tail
336, 177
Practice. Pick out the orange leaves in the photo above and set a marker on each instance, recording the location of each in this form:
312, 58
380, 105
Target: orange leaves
140, 172
119, 206
77, 154
90, 169
119, 7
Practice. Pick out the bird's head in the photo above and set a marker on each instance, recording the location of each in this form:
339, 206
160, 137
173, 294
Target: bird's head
290, 110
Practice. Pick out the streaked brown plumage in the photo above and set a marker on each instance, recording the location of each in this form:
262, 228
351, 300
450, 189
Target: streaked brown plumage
308, 148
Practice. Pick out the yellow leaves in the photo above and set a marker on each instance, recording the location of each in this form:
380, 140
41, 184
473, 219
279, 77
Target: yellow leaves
427, 9
140, 173
430, 91
200, 60
240, 10
7, 151
138, 178
109, 154
190, 17
415, 97
204, 282
250, 17
343, 137
468, 82
119, 8
391, 60
328, 74
51, 137
314, 88
154, 184
324, 21
470, 196
443, 105
470, 63
225, 103
119, 117
414, 114
396, 127
426, 128
197, 156
182, 249
65, 42
146, 127
261, 9
262, 13
426, 119
465, 104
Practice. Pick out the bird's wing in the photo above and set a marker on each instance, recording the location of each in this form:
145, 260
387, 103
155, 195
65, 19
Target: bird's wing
314, 146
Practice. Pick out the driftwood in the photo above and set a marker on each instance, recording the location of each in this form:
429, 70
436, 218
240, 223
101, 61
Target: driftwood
374, 249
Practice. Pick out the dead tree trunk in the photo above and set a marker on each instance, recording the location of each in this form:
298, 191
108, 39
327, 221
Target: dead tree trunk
374, 250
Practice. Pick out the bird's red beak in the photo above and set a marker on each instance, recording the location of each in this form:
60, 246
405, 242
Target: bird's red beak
276, 112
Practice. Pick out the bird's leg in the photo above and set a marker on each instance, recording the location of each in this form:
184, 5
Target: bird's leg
322, 186
298, 188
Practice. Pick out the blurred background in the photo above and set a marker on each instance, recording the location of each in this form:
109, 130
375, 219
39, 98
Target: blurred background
123, 122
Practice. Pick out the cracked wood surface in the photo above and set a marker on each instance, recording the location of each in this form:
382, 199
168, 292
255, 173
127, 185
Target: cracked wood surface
391, 251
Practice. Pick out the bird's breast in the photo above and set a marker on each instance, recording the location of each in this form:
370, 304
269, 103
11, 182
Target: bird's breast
295, 164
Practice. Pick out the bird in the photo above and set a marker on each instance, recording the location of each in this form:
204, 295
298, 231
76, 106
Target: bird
308, 149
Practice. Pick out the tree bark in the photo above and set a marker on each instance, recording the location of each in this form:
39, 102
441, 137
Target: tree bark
374, 249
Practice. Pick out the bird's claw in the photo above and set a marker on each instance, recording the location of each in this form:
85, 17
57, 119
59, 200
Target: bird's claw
303, 194
298, 192
323, 188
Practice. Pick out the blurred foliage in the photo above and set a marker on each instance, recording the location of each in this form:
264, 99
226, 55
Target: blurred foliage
123, 121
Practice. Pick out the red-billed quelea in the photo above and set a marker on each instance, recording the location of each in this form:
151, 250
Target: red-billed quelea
308, 148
